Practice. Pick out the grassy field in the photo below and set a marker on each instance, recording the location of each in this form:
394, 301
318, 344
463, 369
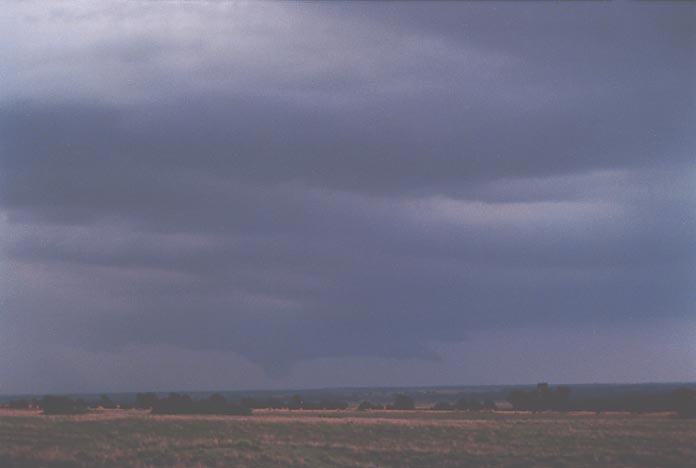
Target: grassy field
346, 438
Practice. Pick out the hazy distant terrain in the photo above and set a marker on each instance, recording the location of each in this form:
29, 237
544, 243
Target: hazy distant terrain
422, 395
346, 438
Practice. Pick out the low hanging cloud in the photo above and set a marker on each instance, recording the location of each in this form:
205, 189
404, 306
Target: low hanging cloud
298, 182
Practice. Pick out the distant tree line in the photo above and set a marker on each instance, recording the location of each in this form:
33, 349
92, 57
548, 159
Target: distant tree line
295, 402
404, 402
51, 404
682, 401
464, 404
400, 401
368, 405
176, 403
542, 398
23, 404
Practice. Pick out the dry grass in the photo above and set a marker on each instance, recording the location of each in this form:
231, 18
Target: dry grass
345, 438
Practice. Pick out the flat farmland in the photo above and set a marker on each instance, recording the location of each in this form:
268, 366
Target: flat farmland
346, 438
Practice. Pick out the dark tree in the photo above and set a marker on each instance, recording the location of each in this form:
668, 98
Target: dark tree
296, 402
366, 405
465, 404
62, 405
332, 405
106, 402
174, 404
442, 406
251, 403
562, 398
541, 398
684, 402
520, 400
215, 404
18, 404
183, 404
543, 389
145, 400
402, 402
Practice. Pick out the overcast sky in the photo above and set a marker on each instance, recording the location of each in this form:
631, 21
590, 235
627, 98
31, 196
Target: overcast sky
264, 195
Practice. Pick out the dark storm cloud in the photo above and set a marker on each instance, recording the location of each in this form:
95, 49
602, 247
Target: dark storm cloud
301, 181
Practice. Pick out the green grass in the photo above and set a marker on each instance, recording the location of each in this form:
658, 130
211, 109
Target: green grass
345, 438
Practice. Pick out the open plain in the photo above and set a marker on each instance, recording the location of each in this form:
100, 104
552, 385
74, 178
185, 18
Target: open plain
346, 438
